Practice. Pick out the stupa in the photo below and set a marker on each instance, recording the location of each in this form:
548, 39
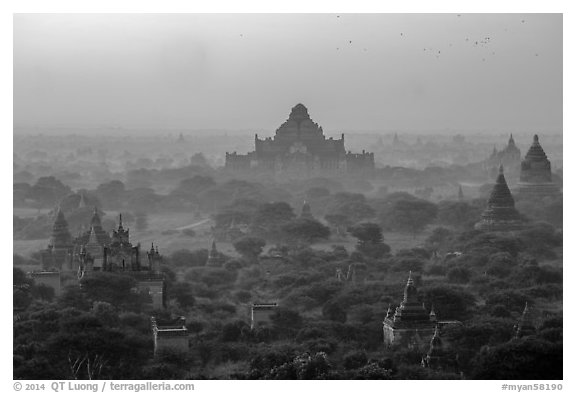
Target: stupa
500, 214
410, 324
526, 324
59, 252
536, 174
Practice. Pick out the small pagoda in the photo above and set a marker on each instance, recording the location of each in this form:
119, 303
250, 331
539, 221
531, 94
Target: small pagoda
59, 252
439, 356
536, 174
500, 214
410, 323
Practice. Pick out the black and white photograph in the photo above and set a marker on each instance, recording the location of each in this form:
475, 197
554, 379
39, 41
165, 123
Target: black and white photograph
288, 196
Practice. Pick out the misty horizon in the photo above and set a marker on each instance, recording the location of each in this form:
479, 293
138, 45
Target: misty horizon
356, 73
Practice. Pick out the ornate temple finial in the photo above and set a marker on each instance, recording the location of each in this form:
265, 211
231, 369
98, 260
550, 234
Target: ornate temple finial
535, 137
511, 140
410, 280
152, 247
389, 311
501, 169
120, 220
432, 314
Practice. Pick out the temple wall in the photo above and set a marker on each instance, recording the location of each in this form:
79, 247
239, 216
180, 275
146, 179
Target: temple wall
155, 288
261, 316
178, 343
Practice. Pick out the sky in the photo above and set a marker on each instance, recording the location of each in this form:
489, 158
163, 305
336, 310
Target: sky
354, 72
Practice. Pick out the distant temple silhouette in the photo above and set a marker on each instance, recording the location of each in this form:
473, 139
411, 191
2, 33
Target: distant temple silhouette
536, 174
300, 148
500, 213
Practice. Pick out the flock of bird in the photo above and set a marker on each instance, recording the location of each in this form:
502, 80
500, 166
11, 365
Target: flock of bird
483, 42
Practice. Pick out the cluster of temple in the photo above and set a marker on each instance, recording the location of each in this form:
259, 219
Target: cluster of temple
410, 325
510, 156
535, 183
300, 148
96, 250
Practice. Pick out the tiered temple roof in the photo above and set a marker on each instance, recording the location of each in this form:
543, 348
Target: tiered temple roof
500, 214
536, 173
411, 311
299, 147
410, 323
510, 156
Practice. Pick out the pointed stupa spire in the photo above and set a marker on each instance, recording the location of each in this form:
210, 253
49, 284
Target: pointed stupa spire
120, 221
306, 210
95, 222
410, 291
432, 314
82, 203
61, 237
460, 193
526, 324
93, 239
511, 141
500, 214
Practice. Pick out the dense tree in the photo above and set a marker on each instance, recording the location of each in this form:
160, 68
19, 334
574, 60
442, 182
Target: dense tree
250, 247
48, 191
269, 219
303, 231
186, 257
520, 359
370, 239
410, 216
111, 193
458, 214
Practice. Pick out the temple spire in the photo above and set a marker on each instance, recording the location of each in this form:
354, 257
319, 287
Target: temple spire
120, 221
500, 213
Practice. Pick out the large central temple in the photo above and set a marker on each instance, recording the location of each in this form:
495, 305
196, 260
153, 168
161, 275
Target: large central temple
300, 148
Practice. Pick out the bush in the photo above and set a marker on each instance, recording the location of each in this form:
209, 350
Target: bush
459, 275
355, 359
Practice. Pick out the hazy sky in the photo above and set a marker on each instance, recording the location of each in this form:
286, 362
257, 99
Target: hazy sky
245, 71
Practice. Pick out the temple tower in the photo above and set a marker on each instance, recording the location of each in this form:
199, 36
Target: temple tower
460, 193
438, 356
306, 211
500, 214
536, 174
96, 224
214, 257
410, 324
526, 325
154, 260
59, 252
